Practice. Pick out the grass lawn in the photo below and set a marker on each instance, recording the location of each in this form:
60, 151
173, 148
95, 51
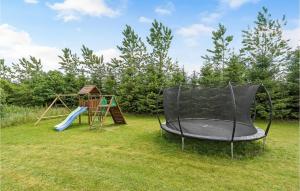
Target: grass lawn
136, 157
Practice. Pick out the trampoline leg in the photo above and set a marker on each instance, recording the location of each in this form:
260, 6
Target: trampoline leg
231, 145
182, 143
264, 143
161, 132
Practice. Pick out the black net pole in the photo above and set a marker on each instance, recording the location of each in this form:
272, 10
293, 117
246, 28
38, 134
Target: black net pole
178, 110
234, 110
271, 110
254, 115
157, 104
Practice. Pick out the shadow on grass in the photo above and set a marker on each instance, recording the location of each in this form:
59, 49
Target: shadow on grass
242, 150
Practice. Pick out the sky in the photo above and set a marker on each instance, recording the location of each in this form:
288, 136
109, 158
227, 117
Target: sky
42, 28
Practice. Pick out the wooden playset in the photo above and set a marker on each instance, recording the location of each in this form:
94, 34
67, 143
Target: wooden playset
98, 106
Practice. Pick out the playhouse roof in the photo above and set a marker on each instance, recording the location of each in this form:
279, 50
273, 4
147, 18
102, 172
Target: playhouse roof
89, 89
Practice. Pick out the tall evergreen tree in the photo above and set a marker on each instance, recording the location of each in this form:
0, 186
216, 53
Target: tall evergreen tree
5, 71
235, 71
293, 83
132, 60
26, 69
194, 78
160, 64
208, 76
264, 48
93, 67
69, 62
266, 53
218, 57
110, 84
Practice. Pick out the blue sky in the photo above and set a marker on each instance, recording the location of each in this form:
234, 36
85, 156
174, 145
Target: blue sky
43, 28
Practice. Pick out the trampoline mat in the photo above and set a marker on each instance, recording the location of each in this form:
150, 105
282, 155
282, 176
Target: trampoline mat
214, 129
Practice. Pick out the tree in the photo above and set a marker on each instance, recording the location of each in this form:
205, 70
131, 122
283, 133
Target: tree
69, 62
218, 57
194, 79
177, 76
160, 39
5, 71
235, 71
264, 49
26, 70
159, 68
93, 67
208, 77
110, 85
293, 83
131, 63
266, 54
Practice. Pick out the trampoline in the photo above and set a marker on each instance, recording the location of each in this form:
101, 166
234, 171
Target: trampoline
219, 114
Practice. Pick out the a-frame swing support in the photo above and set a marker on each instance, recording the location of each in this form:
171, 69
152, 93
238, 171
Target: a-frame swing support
58, 97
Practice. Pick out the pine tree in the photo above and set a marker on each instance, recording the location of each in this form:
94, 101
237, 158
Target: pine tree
218, 56
26, 69
110, 84
235, 71
160, 65
131, 63
5, 71
69, 62
208, 76
194, 79
177, 76
266, 53
293, 83
92, 67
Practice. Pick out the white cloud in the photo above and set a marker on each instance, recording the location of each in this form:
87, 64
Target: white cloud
15, 44
234, 4
144, 20
194, 30
70, 10
293, 35
193, 33
166, 9
108, 54
210, 17
31, 1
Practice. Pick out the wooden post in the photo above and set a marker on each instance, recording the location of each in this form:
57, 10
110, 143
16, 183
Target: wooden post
98, 110
89, 110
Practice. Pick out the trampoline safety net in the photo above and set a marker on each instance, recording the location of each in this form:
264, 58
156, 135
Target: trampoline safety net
211, 113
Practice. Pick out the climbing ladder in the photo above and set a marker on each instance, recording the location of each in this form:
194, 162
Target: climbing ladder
104, 107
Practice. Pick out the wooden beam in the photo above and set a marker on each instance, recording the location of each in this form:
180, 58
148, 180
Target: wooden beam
67, 95
46, 111
64, 104
55, 116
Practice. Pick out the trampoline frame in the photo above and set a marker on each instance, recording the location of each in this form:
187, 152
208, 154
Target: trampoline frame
234, 116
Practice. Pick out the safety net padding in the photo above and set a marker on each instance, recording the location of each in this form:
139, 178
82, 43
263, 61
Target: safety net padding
196, 102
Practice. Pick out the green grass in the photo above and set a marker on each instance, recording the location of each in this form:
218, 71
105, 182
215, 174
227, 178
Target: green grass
136, 157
